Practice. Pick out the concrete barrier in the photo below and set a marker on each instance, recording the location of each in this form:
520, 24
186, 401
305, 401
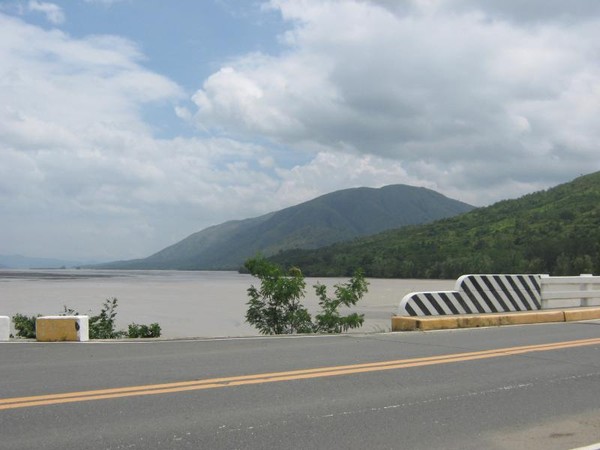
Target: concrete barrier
484, 294
493, 300
62, 328
476, 294
4, 328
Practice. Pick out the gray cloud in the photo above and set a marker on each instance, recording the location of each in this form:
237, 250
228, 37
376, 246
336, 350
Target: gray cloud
530, 12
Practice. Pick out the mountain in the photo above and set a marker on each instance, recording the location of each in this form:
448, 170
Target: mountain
556, 231
333, 217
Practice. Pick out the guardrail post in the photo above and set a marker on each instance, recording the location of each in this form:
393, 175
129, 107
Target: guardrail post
543, 288
584, 287
4, 328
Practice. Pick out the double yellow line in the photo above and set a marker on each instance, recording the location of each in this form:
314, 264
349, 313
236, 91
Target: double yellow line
213, 383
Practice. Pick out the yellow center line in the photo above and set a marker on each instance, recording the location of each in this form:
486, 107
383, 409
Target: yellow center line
303, 374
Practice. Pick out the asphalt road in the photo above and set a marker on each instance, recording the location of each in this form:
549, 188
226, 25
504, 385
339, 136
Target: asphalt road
496, 388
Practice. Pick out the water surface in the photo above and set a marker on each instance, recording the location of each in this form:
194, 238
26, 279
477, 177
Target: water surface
184, 303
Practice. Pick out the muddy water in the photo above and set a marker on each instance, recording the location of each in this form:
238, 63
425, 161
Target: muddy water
185, 304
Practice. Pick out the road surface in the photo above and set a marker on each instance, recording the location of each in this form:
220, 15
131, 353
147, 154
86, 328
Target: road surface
535, 387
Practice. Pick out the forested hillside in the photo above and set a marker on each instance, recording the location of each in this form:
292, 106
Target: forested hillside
556, 231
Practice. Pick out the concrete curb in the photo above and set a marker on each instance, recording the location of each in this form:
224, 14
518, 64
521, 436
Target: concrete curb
420, 323
581, 314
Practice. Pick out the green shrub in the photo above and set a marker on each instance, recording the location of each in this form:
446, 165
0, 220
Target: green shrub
276, 308
143, 331
102, 326
348, 294
25, 325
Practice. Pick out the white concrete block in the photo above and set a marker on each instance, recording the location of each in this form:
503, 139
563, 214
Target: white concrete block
62, 328
4, 328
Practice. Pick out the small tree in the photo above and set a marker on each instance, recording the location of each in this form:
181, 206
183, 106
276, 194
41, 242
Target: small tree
276, 308
102, 326
347, 294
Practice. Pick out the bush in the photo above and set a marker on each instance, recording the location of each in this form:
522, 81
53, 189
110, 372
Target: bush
143, 331
25, 325
275, 307
347, 294
101, 326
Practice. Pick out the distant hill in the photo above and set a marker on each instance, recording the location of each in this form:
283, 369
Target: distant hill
26, 262
333, 217
556, 231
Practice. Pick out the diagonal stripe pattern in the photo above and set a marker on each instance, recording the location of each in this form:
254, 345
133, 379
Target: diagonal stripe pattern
477, 294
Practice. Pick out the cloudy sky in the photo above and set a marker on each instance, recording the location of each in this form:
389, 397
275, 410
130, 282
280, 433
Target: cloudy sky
126, 125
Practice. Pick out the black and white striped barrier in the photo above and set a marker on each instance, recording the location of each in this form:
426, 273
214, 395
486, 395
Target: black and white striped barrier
475, 294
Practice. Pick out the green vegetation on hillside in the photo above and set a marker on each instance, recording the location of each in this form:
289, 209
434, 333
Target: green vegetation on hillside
555, 231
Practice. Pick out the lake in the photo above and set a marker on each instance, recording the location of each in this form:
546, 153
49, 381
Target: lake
184, 303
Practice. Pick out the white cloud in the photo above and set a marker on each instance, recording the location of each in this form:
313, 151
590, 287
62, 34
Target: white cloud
73, 146
479, 103
474, 95
81, 174
54, 13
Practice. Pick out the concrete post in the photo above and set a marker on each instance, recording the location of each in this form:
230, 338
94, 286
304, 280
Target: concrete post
4, 328
584, 287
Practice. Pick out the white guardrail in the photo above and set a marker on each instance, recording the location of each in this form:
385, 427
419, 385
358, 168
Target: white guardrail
566, 291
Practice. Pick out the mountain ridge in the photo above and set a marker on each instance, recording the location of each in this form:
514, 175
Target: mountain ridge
330, 218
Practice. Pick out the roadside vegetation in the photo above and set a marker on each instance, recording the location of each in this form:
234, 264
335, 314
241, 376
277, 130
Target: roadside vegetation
101, 325
24, 325
276, 306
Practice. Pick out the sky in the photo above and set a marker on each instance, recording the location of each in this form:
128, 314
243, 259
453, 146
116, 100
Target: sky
127, 125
